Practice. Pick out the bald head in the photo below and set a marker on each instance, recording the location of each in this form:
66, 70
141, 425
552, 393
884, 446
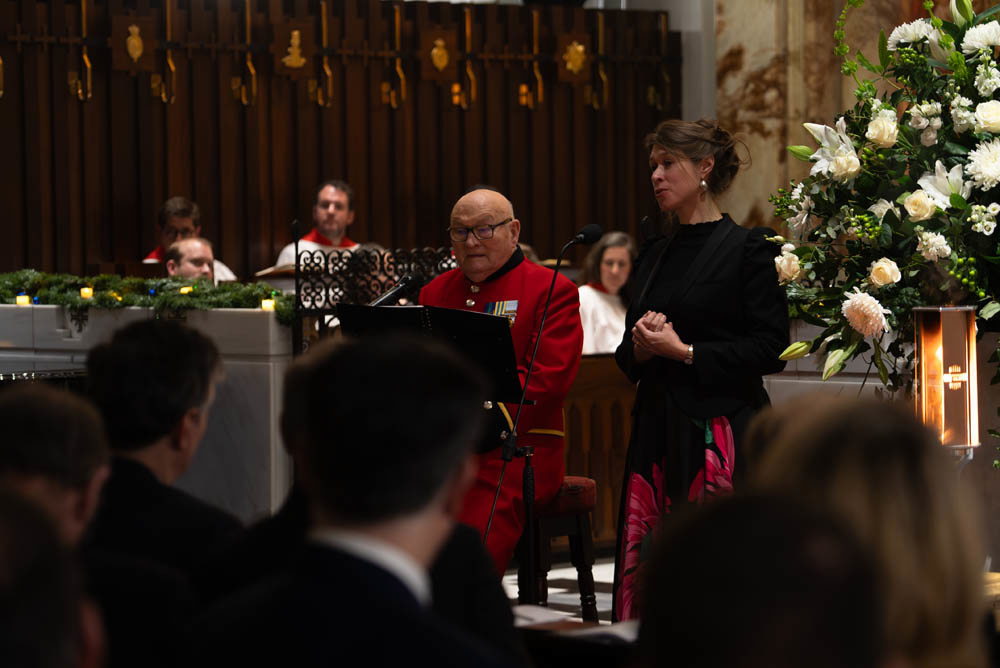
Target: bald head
482, 213
190, 258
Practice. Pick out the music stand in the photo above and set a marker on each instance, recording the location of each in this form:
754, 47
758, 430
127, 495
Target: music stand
483, 338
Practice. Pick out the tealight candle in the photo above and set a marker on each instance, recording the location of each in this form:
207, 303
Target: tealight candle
87, 293
267, 304
23, 300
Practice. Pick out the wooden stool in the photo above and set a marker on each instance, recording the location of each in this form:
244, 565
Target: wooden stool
566, 515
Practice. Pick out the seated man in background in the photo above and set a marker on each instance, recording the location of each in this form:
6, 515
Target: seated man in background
384, 487
179, 218
493, 277
154, 383
332, 214
54, 453
45, 620
191, 258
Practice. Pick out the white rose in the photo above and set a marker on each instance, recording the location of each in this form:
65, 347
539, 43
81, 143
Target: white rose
882, 132
883, 272
928, 137
988, 116
788, 267
920, 206
845, 167
918, 122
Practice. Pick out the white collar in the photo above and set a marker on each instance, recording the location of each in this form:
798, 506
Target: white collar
383, 555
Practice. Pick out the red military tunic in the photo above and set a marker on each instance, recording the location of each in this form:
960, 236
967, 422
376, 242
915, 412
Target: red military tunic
518, 291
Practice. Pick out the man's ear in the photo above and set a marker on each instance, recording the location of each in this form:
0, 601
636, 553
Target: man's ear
90, 497
515, 230
458, 484
187, 432
171, 268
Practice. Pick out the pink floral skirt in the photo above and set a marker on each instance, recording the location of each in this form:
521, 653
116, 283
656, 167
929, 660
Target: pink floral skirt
673, 460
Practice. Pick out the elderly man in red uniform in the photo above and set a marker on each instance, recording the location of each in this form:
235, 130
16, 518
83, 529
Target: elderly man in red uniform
494, 277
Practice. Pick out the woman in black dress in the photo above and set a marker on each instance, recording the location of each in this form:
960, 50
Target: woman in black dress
708, 320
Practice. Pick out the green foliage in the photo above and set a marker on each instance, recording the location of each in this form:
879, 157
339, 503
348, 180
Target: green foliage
850, 214
163, 295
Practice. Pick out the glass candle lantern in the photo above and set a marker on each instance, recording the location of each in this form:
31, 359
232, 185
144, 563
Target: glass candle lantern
947, 396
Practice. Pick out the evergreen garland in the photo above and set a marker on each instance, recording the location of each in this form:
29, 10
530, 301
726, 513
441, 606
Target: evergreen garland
163, 295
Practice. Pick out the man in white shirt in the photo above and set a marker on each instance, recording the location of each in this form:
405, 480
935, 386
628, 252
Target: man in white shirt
332, 214
385, 480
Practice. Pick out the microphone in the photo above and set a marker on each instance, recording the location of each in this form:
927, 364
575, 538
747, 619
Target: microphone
392, 294
589, 234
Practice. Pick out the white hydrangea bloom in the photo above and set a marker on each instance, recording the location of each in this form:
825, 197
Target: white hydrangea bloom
908, 33
983, 36
984, 164
987, 78
961, 115
932, 245
865, 313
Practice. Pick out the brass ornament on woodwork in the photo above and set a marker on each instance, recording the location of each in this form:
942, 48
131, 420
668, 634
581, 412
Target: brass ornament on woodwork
294, 59
133, 43
439, 55
575, 57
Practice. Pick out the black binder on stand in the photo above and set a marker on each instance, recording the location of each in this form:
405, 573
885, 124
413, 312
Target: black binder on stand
483, 338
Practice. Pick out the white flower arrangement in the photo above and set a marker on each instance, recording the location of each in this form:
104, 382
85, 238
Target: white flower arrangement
899, 200
865, 313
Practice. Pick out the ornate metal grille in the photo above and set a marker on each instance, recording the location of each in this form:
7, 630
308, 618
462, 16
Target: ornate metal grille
324, 279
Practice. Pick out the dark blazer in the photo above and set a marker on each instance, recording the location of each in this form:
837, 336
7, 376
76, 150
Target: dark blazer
730, 306
464, 586
144, 606
330, 609
140, 516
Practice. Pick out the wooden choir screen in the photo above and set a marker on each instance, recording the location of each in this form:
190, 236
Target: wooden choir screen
108, 107
598, 413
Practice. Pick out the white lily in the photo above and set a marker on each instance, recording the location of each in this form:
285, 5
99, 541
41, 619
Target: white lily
940, 185
834, 143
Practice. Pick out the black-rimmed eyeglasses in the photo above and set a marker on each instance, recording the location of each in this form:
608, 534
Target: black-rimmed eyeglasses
482, 232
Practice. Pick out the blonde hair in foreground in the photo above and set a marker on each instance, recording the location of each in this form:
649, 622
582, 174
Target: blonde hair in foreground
885, 475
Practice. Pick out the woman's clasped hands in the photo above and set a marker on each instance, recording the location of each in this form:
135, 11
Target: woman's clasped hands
653, 335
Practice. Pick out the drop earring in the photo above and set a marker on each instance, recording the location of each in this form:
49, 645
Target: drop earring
703, 185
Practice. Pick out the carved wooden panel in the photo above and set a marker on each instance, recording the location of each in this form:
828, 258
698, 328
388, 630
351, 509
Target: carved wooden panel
598, 413
231, 110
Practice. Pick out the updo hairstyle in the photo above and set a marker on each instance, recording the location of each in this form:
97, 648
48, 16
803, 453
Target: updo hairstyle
697, 140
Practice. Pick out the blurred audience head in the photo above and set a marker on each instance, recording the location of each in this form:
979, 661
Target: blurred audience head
609, 262
45, 622
759, 582
54, 452
190, 258
382, 428
154, 383
178, 218
887, 477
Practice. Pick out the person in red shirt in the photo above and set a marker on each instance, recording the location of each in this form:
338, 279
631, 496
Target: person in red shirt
494, 277
332, 214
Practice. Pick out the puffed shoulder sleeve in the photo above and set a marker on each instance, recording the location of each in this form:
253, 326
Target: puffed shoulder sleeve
765, 318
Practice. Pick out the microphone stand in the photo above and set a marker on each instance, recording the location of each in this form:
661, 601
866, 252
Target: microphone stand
510, 449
